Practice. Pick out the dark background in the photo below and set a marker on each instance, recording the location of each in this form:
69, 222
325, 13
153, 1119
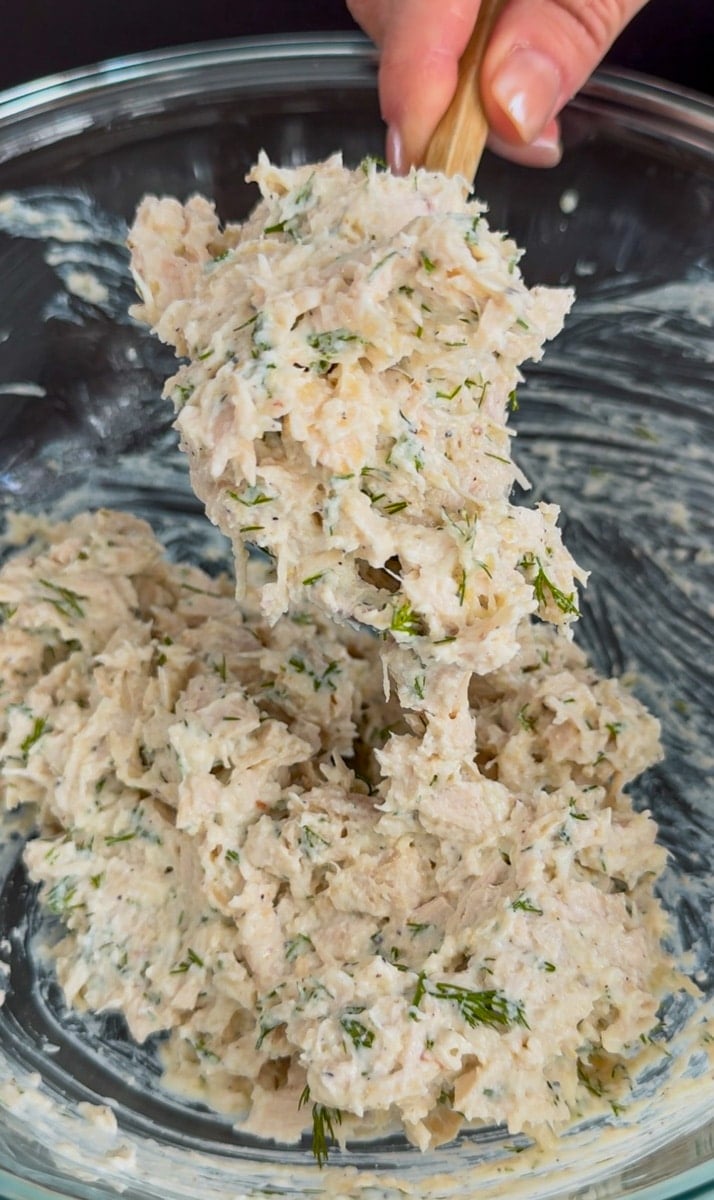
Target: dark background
673, 39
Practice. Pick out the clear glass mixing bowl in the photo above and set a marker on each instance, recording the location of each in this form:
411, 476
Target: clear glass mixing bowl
616, 426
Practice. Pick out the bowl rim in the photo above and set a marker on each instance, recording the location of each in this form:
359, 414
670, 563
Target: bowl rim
653, 105
645, 103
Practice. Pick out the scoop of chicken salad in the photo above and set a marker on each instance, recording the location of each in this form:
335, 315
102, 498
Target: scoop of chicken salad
358, 839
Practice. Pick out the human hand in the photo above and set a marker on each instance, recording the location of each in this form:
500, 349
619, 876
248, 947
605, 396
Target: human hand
539, 53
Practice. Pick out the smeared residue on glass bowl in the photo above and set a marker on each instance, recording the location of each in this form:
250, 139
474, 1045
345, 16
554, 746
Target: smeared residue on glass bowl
609, 428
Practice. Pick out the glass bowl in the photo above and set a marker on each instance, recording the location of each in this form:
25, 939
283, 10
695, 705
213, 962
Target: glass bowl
615, 426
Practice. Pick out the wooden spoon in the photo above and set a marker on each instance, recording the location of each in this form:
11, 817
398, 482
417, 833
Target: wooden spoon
458, 141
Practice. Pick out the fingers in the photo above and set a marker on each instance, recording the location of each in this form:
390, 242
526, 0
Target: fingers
539, 54
421, 42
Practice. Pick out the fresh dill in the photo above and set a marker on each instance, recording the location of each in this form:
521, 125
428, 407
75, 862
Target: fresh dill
221, 669
378, 265
60, 896
115, 839
372, 162
575, 813
251, 498
65, 600
183, 392
471, 236
588, 1079
406, 620
359, 1034
192, 959
329, 345
524, 719
310, 840
461, 589
297, 946
523, 904
324, 1120
39, 725
542, 585
490, 1007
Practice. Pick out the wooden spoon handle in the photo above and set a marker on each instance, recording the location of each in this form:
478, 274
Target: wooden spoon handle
457, 143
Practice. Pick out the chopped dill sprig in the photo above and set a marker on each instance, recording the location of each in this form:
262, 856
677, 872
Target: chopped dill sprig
464, 524
565, 601
461, 589
372, 161
358, 1033
115, 839
184, 392
589, 1080
39, 725
221, 668
406, 620
490, 1007
450, 395
419, 993
324, 1120
329, 345
416, 927
60, 896
66, 601
251, 498
523, 904
297, 946
575, 813
250, 321
310, 840
524, 719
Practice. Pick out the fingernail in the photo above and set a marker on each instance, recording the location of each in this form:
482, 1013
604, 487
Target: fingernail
395, 151
544, 151
527, 88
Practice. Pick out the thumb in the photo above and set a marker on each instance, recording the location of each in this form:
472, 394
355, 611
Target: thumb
539, 54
